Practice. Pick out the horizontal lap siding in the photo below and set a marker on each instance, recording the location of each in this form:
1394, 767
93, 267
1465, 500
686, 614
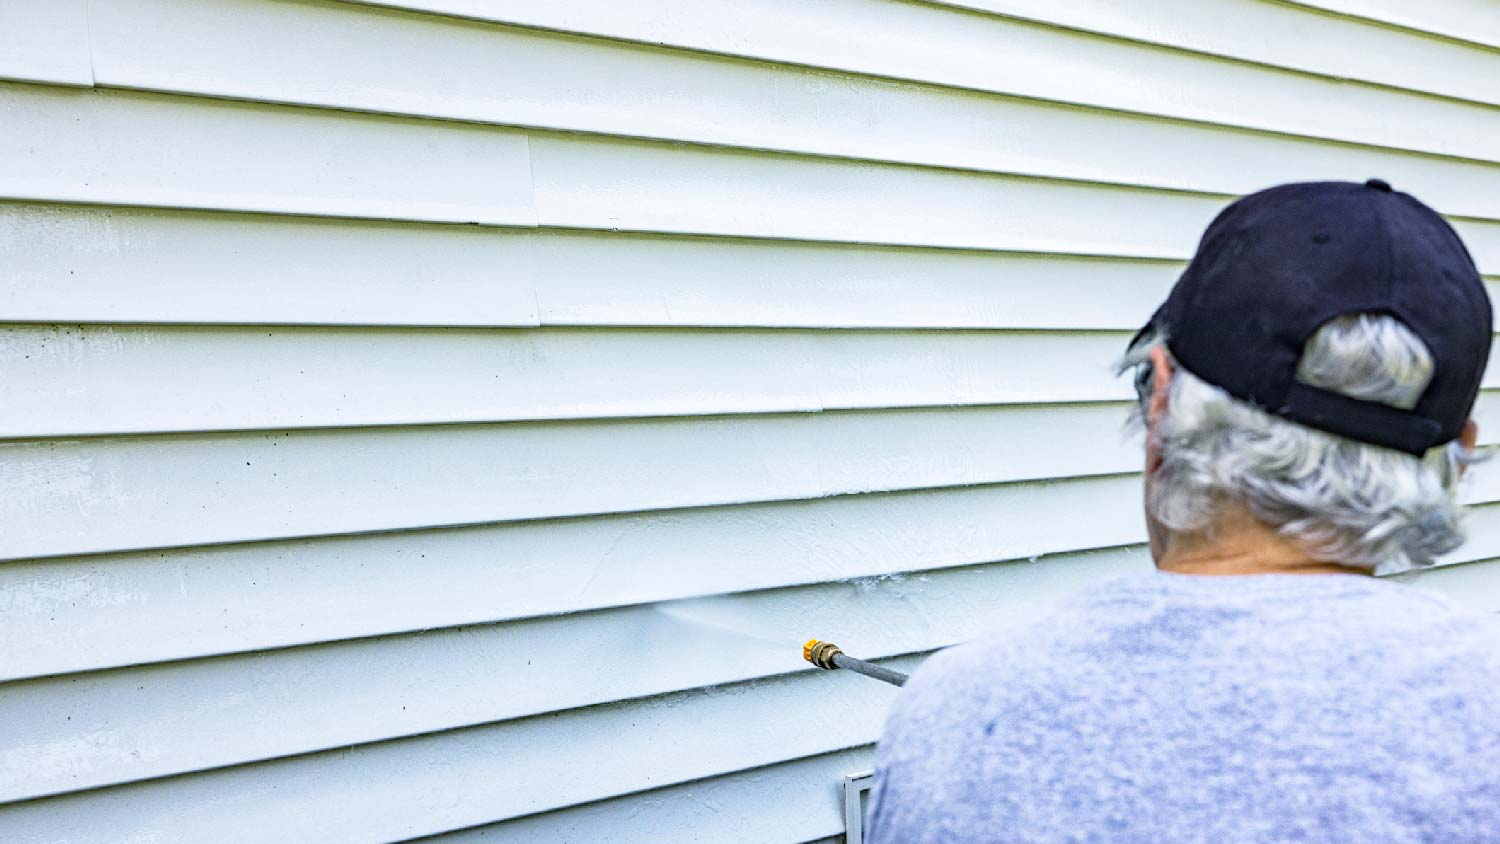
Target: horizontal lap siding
957, 49
202, 153
1279, 35
84, 613
94, 379
409, 408
1465, 21
45, 42
151, 721
236, 156
463, 777
168, 490
89, 264
508, 75
780, 802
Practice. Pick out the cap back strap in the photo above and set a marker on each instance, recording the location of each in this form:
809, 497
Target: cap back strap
1366, 421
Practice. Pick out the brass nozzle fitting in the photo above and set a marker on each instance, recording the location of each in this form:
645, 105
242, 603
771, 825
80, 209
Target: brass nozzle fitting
821, 653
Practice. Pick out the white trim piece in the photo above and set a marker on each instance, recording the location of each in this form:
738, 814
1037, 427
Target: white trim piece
786, 803
856, 789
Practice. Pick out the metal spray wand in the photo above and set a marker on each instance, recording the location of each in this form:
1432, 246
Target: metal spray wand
829, 656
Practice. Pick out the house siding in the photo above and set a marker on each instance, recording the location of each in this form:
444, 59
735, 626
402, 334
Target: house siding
444, 420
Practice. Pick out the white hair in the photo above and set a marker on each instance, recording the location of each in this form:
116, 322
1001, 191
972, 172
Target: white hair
1344, 501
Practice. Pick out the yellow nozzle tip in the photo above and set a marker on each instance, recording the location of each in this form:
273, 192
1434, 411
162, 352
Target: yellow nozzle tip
807, 649
820, 653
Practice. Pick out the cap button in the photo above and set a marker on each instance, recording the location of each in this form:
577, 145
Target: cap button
1379, 184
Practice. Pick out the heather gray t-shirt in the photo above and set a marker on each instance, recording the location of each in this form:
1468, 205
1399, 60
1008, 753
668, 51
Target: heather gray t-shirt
1181, 709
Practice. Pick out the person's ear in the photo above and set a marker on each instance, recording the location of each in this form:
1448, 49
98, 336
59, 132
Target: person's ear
1468, 437
1161, 381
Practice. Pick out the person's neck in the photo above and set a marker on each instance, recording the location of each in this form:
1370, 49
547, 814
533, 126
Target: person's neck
1240, 545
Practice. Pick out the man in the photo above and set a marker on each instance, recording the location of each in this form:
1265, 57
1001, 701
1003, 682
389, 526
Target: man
1305, 392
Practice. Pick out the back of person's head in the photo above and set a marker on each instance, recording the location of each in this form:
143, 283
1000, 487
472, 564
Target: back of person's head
1352, 502
1323, 351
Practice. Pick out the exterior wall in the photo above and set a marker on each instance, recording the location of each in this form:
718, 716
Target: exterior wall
448, 418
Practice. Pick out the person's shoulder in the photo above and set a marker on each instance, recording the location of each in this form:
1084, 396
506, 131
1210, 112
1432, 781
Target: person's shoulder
1430, 634
1469, 634
1006, 649
1019, 643
1009, 668
947, 689
1412, 590
1438, 613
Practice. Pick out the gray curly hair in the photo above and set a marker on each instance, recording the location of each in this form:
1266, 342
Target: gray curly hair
1344, 501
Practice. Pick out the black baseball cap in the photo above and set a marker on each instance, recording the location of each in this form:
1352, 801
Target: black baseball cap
1275, 266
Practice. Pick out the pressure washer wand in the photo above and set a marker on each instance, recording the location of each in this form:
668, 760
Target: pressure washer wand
829, 656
